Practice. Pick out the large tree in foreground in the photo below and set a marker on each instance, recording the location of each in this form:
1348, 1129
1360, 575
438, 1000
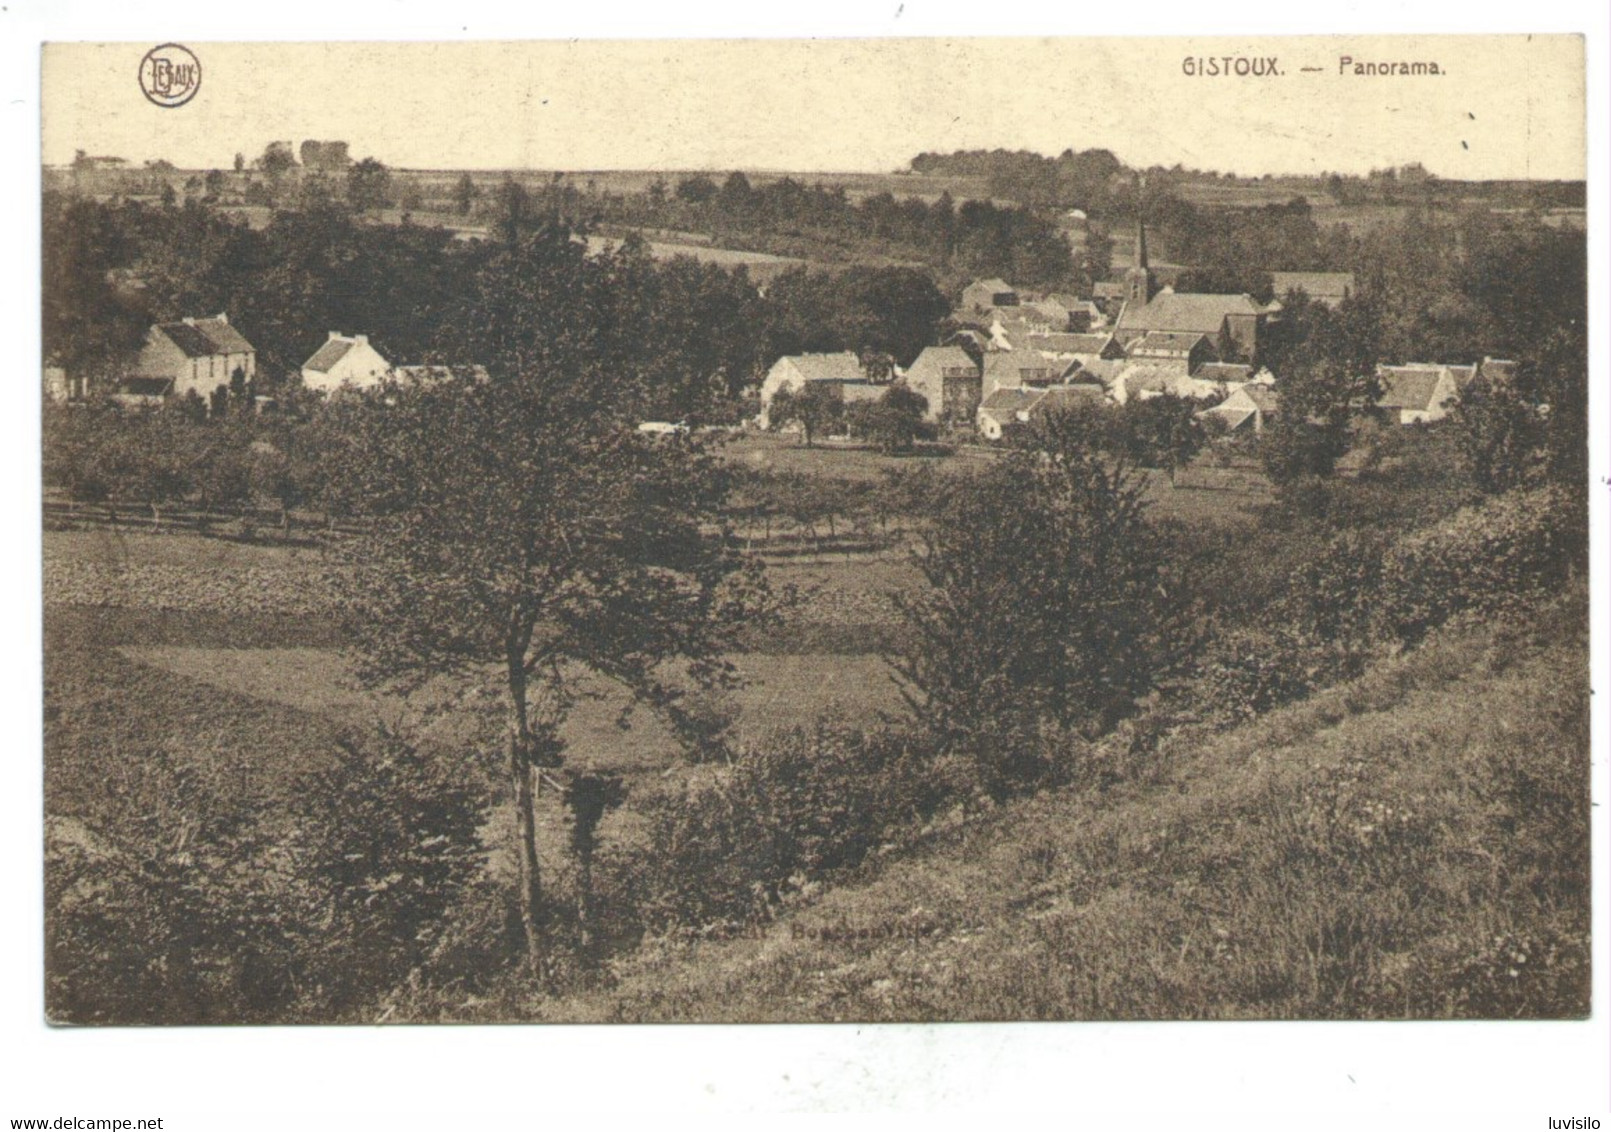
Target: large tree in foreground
524, 527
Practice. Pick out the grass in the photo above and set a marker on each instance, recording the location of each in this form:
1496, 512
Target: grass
1412, 844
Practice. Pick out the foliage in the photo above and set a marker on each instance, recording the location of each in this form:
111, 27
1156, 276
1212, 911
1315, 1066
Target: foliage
817, 408
791, 811
894, 422
387, 839
369, 185
1043, 608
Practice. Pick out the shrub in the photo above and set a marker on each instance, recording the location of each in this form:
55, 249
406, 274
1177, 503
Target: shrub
791, 810
386, 842
1487, 559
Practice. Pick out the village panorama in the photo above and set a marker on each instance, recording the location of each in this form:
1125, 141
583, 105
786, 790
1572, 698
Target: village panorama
1011, 586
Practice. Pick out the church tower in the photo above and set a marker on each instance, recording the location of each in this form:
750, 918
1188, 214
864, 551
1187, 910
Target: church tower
1139, 284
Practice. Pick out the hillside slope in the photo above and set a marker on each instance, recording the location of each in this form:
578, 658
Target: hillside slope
1412, 844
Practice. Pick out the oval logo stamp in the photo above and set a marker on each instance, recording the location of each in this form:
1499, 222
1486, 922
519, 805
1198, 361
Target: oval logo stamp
170, 75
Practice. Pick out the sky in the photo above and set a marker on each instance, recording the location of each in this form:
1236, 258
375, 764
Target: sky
1503, 107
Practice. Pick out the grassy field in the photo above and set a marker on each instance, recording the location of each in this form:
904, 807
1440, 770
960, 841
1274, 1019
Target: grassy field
1382, 850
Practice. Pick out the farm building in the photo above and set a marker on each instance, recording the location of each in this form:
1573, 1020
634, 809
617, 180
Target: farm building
794, 372
1186, 352
984, 295
344, 361
193, 355
1017, 368
1250, 407
1233, 323
1008, 409
949, 380
1328, 288
1417, 394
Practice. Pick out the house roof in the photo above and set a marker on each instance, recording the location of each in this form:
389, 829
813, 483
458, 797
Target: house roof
1019, 365
1068, 343
329, 354
1495, 369
1315, 284
1234, 415
1186, 311
1109, 289
995, 286
938, 359
1266, 398
1168, 341
1102, 369
1060, 397
1410, 387
844, 366
206, 337
1010, 400
1223, 371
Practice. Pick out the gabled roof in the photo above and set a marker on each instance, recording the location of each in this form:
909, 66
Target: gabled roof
206, 337
1223, 371
938, 359
1186, 311
326, 356
994, 286
1068, 343
1010, 368
1010, 400
844, 366
1168, 341
1060, 397
1410, 387
1102, 369
1266, 398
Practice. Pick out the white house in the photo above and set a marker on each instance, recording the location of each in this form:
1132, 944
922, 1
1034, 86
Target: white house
842, 371
344, 361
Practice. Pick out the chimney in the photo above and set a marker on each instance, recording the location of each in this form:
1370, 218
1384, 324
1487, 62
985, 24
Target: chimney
334, 334
223, 317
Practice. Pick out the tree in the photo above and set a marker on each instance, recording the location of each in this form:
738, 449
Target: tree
1328, 379
369, 185
240, 163
277, 158
465, 193
1042, 608
894, 422
817, 408
1162, 432
551, 538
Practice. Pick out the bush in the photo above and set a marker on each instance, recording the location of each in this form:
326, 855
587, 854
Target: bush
386, 843
789, 812
1488, 559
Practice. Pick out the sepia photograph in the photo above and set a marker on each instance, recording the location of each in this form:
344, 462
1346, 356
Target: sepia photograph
861, 529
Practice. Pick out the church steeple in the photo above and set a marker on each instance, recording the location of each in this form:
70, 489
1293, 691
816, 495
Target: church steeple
1139, 284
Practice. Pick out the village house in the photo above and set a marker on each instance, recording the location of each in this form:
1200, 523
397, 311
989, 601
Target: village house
1248, 408
1417, 394
193, 355
1328, 288
1186, 352
1075, 345
843, 372
949, 380
344, 361
983, 296
1018, 368
1007, 410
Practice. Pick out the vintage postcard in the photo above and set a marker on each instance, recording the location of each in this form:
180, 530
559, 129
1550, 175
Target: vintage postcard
815, 530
